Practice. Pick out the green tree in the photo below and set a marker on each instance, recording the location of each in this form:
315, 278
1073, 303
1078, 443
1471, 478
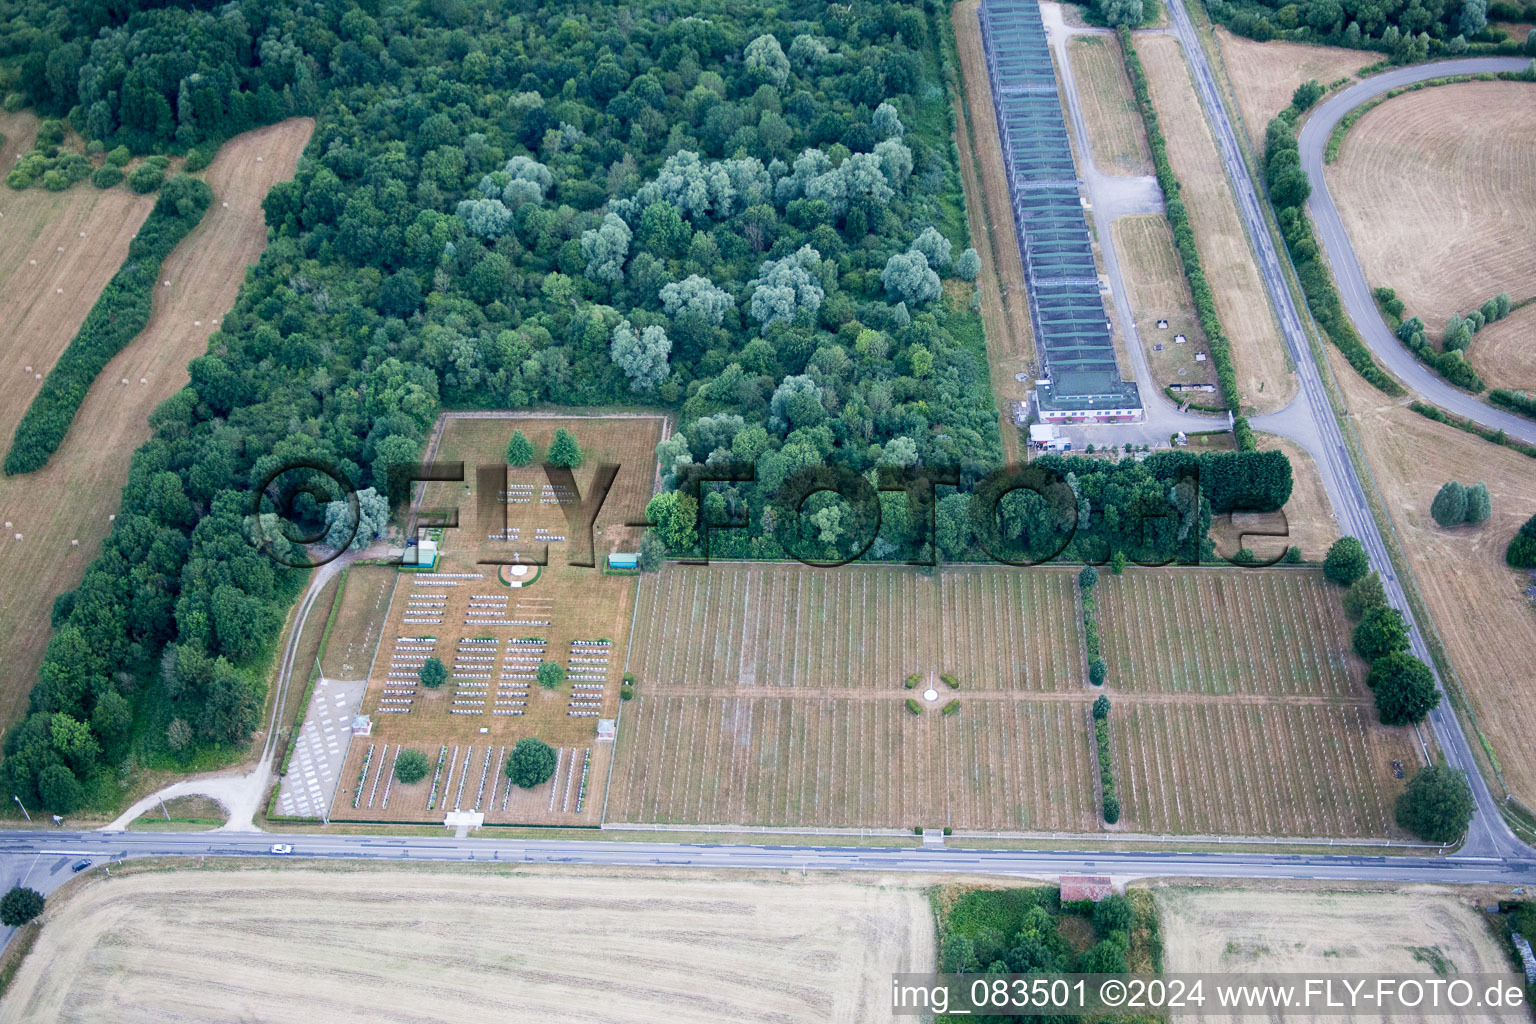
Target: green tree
1363, 595
178, 735
1382, 631
1479, 504
1306, 94
1101, 707
519, 449
411, 767
1087, 577
59, 789
1346, 561
1521, 553
564, 450
1437, 806
1404, 688
1117, 562
432, 673
19, 906
957, 954
1450, 505
674, 517
531, 763
551, 674
1097, 670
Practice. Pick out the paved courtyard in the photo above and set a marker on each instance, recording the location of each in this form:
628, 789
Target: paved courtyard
321, 748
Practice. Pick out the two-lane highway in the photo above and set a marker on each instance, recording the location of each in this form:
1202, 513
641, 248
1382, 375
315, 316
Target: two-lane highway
1323, 438
104, 846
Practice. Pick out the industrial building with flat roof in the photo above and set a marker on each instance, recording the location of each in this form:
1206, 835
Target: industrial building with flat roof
1080, 379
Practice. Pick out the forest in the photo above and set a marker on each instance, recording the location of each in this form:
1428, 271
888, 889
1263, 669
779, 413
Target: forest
1407, 31
750, 215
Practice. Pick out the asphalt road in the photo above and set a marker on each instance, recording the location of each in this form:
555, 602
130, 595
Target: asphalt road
23, 847
1310, 418
1341, 253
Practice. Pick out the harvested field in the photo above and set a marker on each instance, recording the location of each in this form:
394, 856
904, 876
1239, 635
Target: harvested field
1004, 303
1258, 353
1443, 178
492, 631
1114, 126
1260, 632
1256, 929
73, 496
1479, 610
206, 945
1308, 520
355, 634
1504, 352
1158, 291
773, 694
1283, 740
1263, 75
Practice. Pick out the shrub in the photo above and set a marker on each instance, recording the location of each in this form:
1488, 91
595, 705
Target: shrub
1346, 561
914, 707
913, 680
1293, 555
432, 674
1087, 577
564, 450
146, 178
950, 681
119, 157
1101, 707
195, 161
626, 692
531, 763
953, 707
411, 767
1097, 670
19, 906
519, 449
107, 176
1437, 805
1111, 808
1479, 504
1117, 562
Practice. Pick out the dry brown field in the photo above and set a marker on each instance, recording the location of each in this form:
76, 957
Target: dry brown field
1264, 75
1114, 125
1004, 302
1258, 353
1282, 738
1504, 352
1251, 929
1157, 290
1308, 521
773, 695
1435, 190
1475, 600
359, 622
472, 619
72, 497
336, 943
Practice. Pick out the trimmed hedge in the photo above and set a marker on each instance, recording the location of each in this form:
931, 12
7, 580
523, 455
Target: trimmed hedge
1514, 401
1498, 437
1184, 236
118, 316
1106, 770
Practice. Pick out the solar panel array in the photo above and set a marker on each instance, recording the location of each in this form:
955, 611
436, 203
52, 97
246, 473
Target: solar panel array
1064, 299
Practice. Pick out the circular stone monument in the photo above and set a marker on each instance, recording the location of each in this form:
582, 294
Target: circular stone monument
519, 570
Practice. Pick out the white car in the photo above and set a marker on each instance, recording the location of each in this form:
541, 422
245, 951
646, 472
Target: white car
281, 848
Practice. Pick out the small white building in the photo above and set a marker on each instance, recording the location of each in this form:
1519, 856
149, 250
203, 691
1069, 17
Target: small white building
607, 729
1045, 437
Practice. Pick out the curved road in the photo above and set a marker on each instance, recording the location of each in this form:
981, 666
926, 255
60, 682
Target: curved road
1341, 253
1310, 421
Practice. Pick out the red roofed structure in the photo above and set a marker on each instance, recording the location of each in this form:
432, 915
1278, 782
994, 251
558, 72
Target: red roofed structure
1085, 887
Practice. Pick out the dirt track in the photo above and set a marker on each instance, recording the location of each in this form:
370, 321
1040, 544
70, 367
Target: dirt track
73, 496
342, 944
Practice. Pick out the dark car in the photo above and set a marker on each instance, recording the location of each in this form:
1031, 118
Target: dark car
81, 864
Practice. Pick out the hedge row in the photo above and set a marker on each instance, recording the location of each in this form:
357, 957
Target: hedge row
1515, 401
1106, 764
1184, 236
118, 316
1498, 437
1288, 191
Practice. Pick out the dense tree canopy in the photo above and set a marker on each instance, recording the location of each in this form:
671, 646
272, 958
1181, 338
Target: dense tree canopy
1437, 806
1346, 561
531, 763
